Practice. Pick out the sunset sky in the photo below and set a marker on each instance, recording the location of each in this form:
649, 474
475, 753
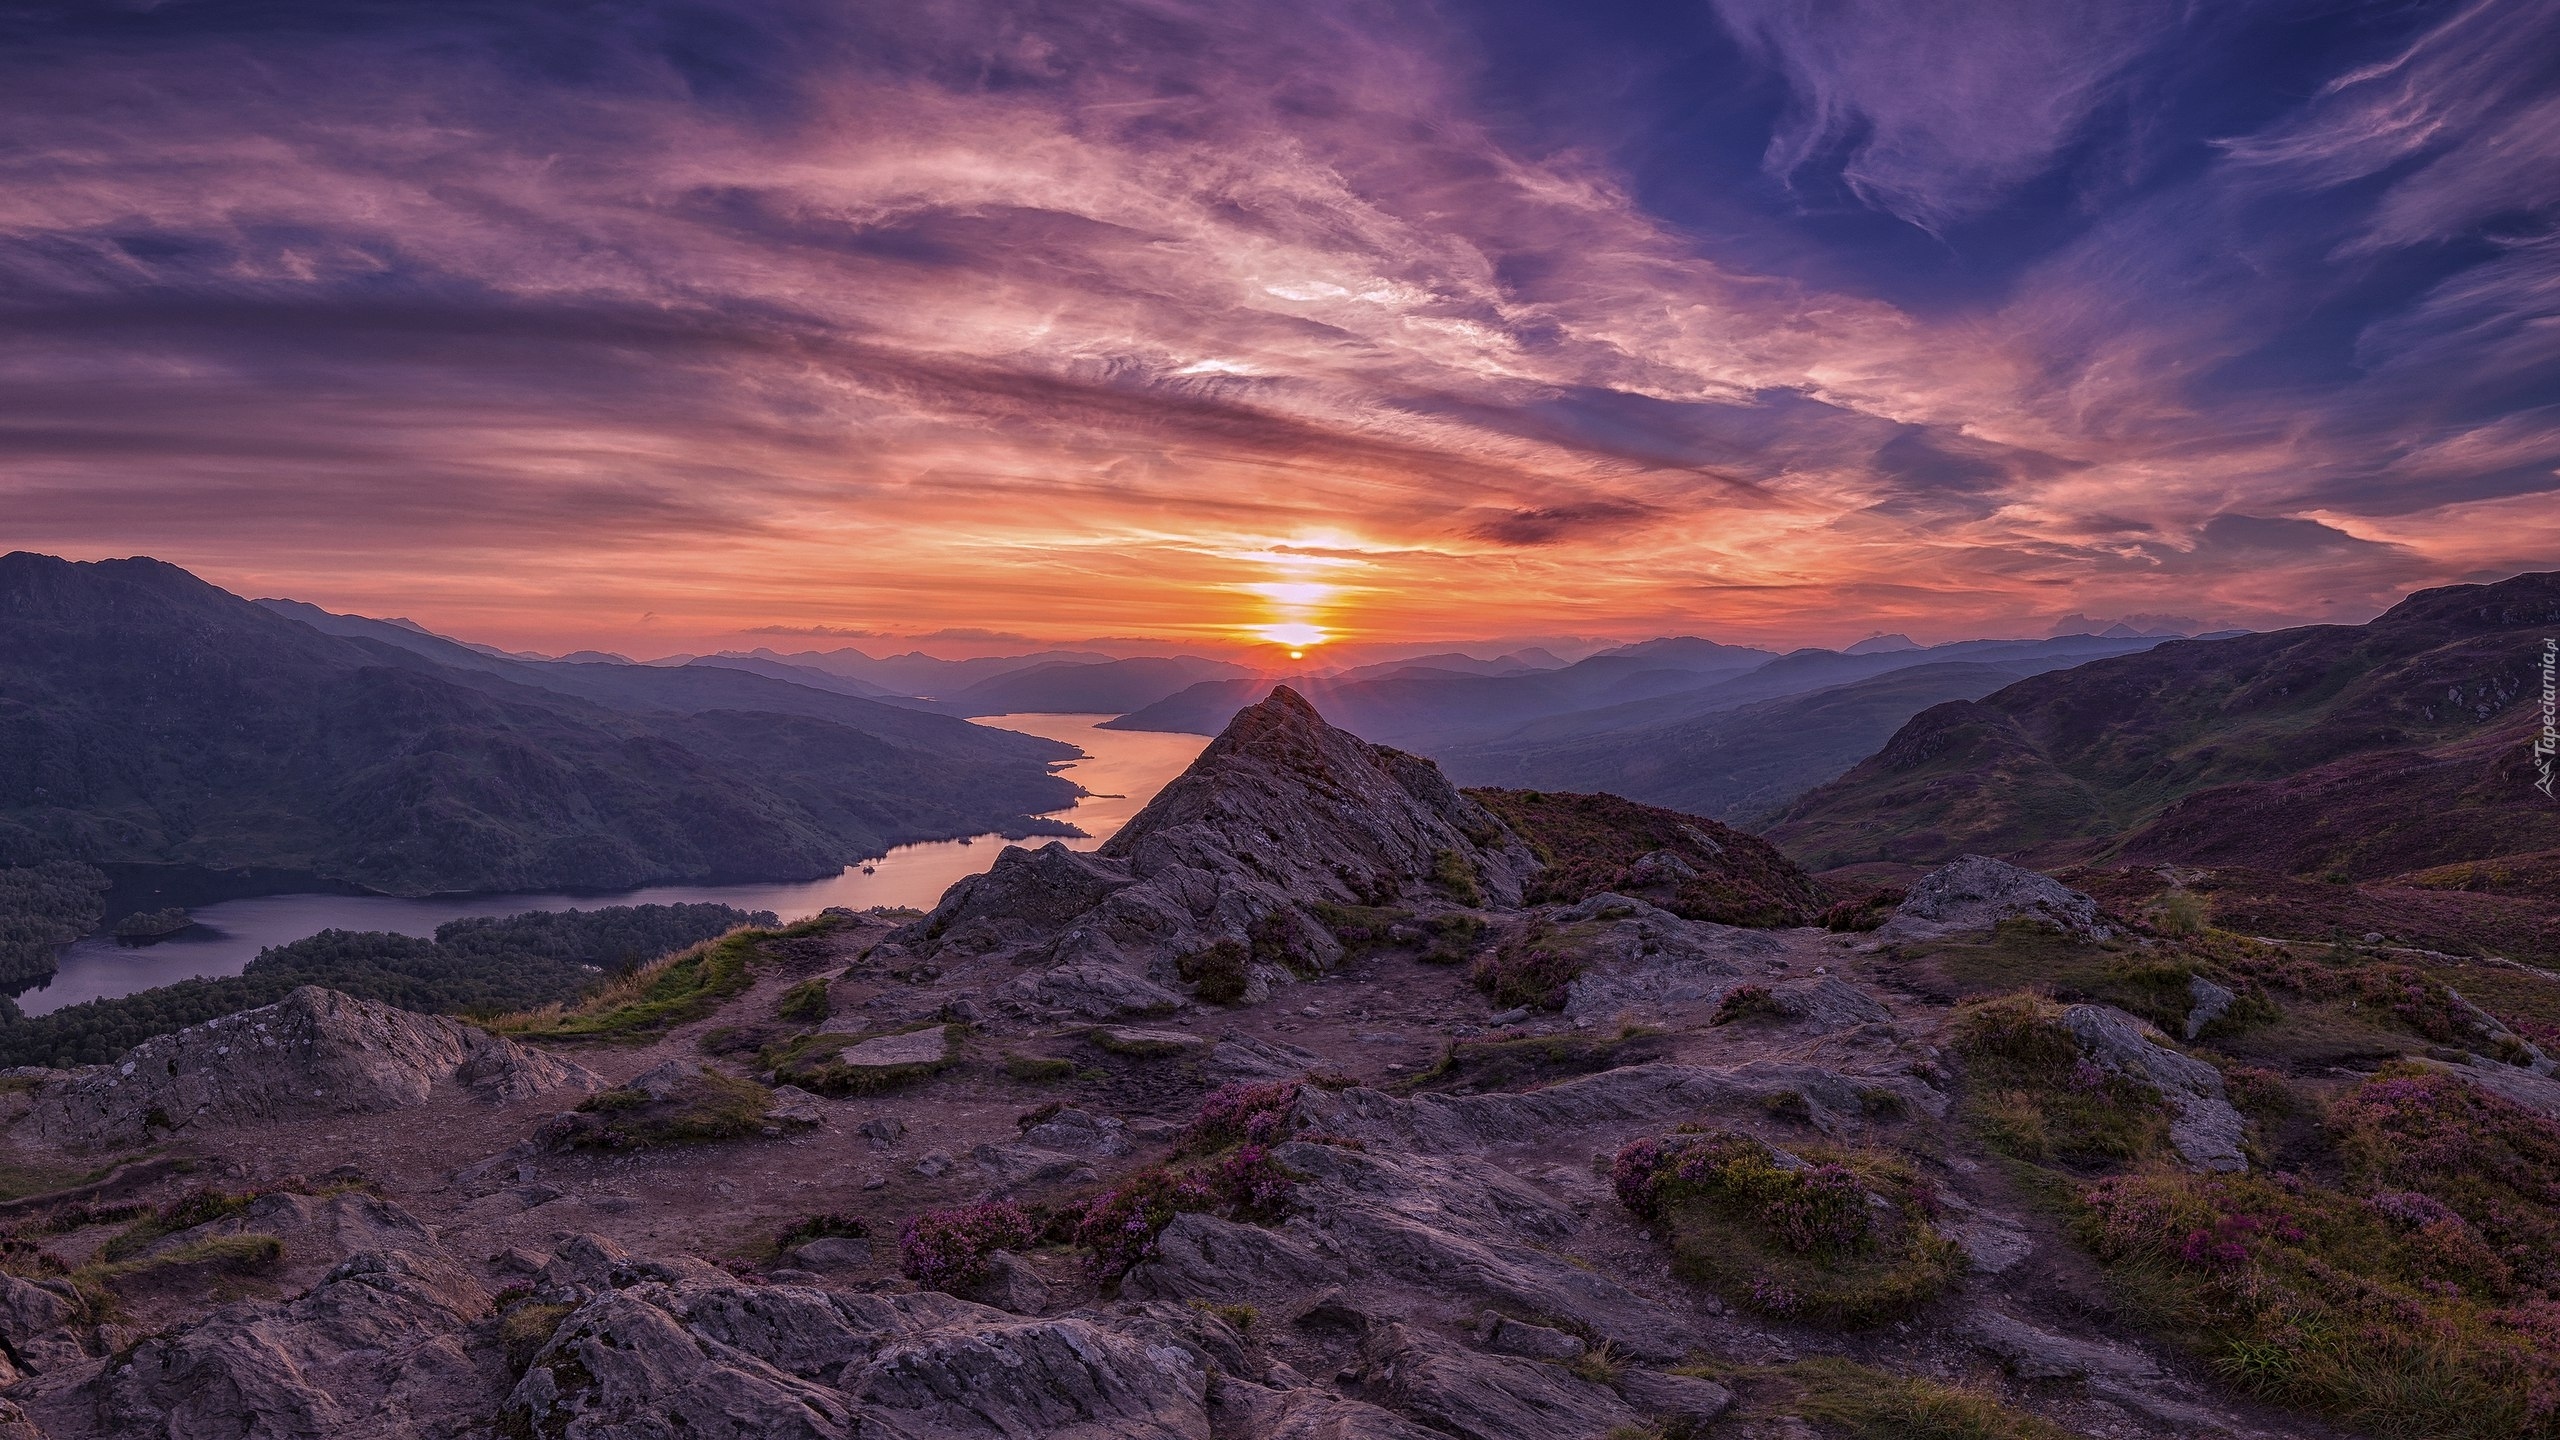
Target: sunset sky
662, 326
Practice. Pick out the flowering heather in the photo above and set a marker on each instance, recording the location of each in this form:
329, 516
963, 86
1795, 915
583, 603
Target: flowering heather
943, 1249
2485, 1159
2409, 1208
1121, 1225
1789, 1239
2379, 1311
1238, 1113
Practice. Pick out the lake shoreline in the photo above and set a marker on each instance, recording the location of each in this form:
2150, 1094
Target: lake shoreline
238, 913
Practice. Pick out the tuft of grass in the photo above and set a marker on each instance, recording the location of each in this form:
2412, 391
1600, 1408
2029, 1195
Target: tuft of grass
1219, 974
1525, 1062
2031, 1095
655, 998
1859, 1402
1038, 1069
1601, 1364
805, 1003
1455, 875
1239, 1317
709, 1107
1363, 928
524, 1328
2181, 912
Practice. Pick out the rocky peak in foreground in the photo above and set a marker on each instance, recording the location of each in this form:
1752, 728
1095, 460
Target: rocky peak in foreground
1323, 814
1226, 877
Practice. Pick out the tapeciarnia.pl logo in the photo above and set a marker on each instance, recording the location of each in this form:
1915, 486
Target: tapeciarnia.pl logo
2547, 744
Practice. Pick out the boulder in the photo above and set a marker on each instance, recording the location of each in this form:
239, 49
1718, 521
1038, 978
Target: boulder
1683, 1400
1487, 1397
1974, 894
2205, 1128
833, 1252
1077, 1132
1201, 1257
1503, 1335
315, 1052
2208, 1002
1009, 1283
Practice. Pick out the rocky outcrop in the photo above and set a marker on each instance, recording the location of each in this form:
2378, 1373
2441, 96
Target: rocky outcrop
1975, 893
2204, 1127
315, 1052
1639, 956
1280, 814
376, 1348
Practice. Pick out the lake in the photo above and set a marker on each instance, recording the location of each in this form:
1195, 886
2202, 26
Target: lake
1124, 769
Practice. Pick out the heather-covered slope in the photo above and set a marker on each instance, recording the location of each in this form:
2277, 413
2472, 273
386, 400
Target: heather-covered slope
148, 716
2359, 751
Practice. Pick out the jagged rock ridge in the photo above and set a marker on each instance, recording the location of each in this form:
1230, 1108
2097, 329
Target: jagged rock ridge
1280, 813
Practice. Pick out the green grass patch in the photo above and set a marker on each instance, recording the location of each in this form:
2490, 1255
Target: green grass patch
1218, 974
1850, 1401
226, 1255
2031, 1095
19, 1179
655, 998
804, 1003
1038, 1069
1527, 1062
1138, 1046
1455, 875
707, 1106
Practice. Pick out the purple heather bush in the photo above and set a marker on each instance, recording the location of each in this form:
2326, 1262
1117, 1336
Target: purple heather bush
2418, 1300
948, 1248
1238, 1113
1121, 1225
1802, 1240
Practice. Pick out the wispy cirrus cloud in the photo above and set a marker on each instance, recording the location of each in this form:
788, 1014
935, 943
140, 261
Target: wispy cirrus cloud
1032, 319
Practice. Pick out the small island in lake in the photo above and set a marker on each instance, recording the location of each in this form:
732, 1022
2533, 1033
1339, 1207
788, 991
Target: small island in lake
144, 926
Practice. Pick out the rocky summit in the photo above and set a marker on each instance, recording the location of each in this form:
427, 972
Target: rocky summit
1225, 877
1327, 1102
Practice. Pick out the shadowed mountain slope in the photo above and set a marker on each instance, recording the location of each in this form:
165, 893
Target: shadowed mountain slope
2354, 751
148, 716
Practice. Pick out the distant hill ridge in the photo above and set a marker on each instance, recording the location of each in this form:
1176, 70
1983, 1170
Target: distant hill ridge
148, 716
2341, 751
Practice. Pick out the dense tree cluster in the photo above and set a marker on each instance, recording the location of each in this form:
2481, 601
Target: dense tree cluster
43, 906
471, 967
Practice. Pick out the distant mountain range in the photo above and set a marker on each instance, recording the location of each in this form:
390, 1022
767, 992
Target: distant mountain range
1719, 730
2338, 752
146, 716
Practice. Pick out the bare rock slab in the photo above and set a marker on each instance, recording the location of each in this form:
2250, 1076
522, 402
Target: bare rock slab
315, 1052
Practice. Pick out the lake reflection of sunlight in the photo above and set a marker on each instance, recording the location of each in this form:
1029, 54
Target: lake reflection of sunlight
1122, 769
